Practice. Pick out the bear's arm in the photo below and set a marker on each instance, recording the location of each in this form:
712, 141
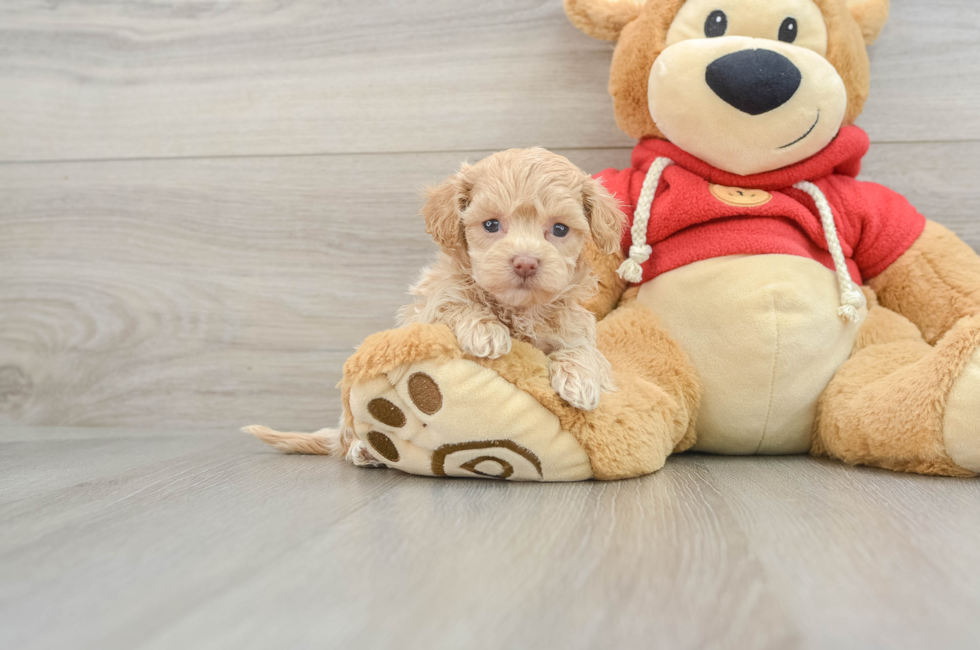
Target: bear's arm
918, 268
934, 283
611, 287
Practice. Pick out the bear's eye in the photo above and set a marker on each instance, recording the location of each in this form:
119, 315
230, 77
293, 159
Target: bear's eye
716, 24
788, 30
491, 225
559, 230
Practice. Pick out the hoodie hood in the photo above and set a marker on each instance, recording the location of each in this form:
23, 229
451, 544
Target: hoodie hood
841, 157
682, 210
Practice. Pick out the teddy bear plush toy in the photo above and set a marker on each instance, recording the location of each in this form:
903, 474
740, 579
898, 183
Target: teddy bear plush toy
765, 301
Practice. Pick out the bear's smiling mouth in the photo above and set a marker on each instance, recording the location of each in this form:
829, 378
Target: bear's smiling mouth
803, 137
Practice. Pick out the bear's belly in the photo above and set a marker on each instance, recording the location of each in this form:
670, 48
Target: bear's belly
765, 336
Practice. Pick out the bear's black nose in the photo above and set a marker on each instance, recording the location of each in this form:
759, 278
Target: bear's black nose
754, 81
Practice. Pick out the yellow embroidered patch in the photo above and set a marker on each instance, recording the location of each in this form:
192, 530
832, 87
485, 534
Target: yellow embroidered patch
740, 197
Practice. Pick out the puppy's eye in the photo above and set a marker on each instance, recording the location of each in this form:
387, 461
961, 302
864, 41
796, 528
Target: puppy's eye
559, 230
788, 30
716, 25
491, 225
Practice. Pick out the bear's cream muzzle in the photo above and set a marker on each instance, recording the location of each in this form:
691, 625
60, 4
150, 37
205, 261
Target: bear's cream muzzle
746, 105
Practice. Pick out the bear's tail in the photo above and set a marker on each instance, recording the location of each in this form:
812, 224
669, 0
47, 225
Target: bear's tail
325, 442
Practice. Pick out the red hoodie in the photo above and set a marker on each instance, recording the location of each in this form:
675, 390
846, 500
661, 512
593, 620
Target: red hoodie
700, 212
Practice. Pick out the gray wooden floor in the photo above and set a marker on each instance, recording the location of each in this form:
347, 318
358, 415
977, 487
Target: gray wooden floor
206, 205
121, 538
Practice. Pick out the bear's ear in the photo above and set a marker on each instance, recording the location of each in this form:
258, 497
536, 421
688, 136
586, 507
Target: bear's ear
603, 19
606, 220
871, 15
443, 212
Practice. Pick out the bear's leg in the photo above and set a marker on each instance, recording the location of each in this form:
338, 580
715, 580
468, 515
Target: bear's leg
902, 404
422, 406
657, 383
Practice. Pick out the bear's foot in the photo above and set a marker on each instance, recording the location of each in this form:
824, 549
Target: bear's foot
431, 411
961, 426
902, 404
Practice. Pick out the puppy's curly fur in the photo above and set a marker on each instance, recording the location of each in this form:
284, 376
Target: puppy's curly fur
513, 231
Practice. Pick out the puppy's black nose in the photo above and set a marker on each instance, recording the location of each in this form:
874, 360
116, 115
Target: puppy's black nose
754, 81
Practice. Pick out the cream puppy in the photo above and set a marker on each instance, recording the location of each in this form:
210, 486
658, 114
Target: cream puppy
512, 231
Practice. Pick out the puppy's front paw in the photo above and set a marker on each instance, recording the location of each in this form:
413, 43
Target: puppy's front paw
575, 384
359, 455
484, 339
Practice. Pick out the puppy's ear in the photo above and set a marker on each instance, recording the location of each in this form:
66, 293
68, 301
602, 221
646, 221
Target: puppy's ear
603, 19
605, 218
444, 210
871, 15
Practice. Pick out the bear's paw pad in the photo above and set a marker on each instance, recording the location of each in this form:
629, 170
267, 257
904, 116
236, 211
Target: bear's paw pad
961, 432
457, 418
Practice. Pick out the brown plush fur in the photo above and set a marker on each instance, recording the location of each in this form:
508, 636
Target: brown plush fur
650, 415
383, 352
934, 283
610, 284
632, 431
603, 19
640, 43
885, 406
871, 15
642, 40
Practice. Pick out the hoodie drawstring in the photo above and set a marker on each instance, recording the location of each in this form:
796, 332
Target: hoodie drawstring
630, 270
852, 299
